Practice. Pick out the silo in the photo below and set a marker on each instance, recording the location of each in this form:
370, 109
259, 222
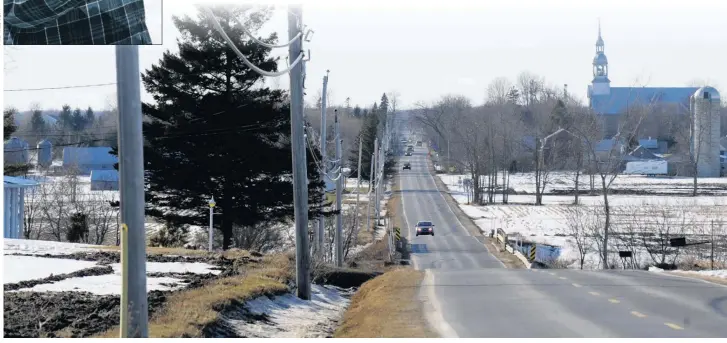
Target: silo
705, 134
45, 153
15, 151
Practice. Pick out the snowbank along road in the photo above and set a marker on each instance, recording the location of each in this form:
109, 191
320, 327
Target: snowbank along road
467, 292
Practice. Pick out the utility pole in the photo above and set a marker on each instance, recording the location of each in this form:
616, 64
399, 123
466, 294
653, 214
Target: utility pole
131, 189
371, 187
300, 179
358, 189
339, 194
321, 233
376, 185
212, 207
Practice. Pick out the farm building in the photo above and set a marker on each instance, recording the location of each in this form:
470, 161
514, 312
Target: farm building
14, 192
104, 180
87, 159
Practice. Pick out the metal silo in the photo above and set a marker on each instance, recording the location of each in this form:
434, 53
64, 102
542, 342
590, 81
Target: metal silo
16, 151
705, 133
45, 153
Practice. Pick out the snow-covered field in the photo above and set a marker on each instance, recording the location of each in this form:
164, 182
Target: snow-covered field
26, 268
560, 182
549, 224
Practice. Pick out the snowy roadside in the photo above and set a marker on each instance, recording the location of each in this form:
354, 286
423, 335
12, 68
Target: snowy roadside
287, 316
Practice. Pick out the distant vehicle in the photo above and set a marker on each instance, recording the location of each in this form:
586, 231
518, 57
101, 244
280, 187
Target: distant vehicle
408, 153
407, 166
409, 148
419, 143
649, 168
425, 228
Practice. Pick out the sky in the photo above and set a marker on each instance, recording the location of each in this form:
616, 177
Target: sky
425, 49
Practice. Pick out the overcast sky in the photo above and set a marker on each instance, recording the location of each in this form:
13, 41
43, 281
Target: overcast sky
426, 49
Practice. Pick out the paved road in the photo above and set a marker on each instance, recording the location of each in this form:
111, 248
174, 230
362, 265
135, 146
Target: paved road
467, 292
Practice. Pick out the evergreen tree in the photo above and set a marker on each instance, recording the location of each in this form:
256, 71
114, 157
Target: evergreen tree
78, 230
90, 117
9, 126
559, 116
357, 111
368, 136
37, 123
78, 121
65, 118
216, 130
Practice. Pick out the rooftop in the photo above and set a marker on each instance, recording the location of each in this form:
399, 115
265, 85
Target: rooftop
621, 97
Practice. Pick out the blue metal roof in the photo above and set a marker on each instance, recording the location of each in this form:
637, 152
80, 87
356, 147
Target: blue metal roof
605, 145
105, 175
649, 143
85, 156
621, 97
18, 182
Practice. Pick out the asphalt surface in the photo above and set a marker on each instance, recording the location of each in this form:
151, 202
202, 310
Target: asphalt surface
468, 293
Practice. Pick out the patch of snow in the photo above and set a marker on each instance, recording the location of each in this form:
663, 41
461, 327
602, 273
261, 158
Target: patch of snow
174, 267
24, 268
655, 269
109, 284
32, 247
289, 317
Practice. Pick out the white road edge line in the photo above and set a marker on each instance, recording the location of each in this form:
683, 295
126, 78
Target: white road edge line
455, 215
435, 317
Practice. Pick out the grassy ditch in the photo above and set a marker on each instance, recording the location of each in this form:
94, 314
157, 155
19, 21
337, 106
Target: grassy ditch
189, 313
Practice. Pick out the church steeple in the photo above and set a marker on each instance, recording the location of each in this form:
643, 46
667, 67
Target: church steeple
601, 83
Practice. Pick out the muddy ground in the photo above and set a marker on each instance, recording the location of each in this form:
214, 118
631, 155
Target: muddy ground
82, 314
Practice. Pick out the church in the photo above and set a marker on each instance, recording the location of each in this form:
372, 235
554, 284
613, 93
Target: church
610, 102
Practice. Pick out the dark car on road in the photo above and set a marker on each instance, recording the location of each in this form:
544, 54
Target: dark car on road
407, 166
425, 228
408, 153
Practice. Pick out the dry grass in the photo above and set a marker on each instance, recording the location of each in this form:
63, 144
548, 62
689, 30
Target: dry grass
232, 253
714, 279
187, 313
387, 307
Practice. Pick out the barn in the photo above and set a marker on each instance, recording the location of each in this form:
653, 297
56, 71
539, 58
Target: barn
104, 180
84, 160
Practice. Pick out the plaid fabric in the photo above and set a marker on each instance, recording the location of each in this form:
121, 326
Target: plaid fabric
75, 22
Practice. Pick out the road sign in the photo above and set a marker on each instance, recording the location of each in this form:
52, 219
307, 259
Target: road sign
531, 255
397, 232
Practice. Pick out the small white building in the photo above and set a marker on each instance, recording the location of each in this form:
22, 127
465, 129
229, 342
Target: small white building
14, 192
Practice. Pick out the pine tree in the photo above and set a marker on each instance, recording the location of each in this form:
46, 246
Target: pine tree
368, 136
78, 120
90, 117
9, 126
216, 130
65, 118
357, 111
37, 122
78, 230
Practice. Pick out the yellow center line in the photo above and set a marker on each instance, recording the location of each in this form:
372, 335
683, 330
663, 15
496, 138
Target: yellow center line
674, 326
614, 301
594, 293
638, 314
576, 285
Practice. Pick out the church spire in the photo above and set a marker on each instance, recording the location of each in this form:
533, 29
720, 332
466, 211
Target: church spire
601, 83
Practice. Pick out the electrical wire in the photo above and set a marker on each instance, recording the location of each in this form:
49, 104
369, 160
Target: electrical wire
235, 129
268, 45
61, 87
227, 39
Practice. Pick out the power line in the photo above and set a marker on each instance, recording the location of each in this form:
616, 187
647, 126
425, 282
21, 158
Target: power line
211, 132
60, 87
244, 59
